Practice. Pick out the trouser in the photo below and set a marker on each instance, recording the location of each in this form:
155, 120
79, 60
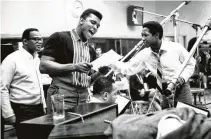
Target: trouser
182, 94
25, 112
72, 96
2, 126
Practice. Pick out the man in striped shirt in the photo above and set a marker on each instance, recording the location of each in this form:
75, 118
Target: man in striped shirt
66, 58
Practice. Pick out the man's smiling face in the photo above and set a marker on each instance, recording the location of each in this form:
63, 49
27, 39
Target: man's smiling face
89, 26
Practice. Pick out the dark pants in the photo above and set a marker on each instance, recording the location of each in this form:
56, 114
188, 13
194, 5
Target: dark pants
2, 127
72, 96
25, 112
182, 94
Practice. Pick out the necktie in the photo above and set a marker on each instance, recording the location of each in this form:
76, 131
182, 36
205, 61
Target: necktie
159, 76
166, 103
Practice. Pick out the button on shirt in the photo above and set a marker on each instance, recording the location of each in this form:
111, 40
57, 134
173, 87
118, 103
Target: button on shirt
81, 55
172, 55
20, 81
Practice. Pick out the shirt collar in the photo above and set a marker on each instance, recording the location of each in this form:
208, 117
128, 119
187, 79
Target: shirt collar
76, 36
95, 99
163, 48
27, 54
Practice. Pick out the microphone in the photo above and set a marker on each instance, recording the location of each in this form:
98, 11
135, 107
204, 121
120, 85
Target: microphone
208, 24
186, 2
195, 26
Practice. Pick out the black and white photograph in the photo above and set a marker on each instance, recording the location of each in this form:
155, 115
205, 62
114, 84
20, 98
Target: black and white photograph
105, 69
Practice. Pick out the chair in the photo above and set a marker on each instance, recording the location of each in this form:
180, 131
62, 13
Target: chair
198, 92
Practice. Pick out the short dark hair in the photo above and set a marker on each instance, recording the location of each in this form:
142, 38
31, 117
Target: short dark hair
191, 43
154, 27
98, 47
87, 12
102, 84
27, 31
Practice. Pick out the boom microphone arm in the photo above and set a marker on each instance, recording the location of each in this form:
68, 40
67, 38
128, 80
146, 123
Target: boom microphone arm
173, 12
205, 29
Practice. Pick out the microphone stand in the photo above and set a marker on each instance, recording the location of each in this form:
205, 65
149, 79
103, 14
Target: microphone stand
175, 17
180, 20
197, 54
173, 12
206, 28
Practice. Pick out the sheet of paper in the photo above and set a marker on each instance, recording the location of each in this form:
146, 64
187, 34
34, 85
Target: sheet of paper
122, 103
197, 110
122, 85
106, 59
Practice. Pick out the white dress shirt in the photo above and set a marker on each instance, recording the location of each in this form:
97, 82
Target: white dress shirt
172, 55
94, 100
21, 81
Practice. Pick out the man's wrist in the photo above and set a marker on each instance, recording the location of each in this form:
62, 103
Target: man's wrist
167, 92
73, 67
180, 81
170, 89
